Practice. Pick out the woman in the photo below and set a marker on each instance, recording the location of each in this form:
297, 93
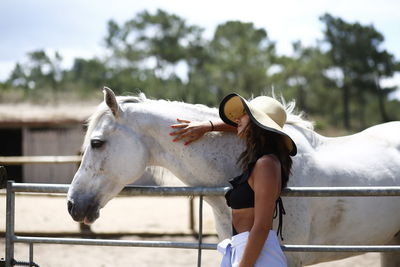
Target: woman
266, 164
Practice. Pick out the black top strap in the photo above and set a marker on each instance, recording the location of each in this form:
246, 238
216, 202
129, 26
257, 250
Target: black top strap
279, 210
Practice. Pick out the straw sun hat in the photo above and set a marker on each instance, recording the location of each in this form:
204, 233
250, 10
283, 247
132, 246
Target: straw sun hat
266, 112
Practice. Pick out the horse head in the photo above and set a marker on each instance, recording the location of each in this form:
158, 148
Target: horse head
114, 156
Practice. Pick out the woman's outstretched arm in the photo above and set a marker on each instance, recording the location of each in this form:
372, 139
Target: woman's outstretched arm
190, 131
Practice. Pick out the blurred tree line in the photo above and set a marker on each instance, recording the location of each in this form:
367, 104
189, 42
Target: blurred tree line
338, 79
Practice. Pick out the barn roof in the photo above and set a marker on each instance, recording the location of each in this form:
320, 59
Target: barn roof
17, 115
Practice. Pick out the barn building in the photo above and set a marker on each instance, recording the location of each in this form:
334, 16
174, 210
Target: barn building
31, 130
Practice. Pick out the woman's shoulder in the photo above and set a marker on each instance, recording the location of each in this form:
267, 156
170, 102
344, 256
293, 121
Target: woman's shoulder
266, 161
266, 175
267, 165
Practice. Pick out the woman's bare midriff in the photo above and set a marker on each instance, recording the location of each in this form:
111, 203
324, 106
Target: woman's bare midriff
243, 219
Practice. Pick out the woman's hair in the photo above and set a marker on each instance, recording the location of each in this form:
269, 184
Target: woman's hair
260, 142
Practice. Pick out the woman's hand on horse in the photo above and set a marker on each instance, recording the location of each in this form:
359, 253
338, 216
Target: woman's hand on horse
189, 131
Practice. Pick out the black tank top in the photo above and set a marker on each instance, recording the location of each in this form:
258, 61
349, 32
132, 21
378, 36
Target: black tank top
241, 196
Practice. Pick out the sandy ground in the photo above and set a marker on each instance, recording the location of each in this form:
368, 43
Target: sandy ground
127, 215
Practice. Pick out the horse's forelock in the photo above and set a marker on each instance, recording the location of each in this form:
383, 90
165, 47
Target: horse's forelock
103, 109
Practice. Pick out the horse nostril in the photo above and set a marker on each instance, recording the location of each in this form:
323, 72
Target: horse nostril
70, 206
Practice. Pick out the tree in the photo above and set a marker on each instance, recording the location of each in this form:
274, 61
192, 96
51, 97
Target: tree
303, 76
39, 73
158, 42
355, 50
87, 75
239, 56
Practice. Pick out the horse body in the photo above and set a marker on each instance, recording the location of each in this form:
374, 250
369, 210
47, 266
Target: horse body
368, 158
135, 135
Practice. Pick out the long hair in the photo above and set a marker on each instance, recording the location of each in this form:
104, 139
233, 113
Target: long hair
260, 142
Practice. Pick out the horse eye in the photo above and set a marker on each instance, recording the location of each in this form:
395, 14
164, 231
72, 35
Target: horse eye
96, 143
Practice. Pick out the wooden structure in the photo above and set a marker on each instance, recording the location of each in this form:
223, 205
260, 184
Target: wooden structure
31, 130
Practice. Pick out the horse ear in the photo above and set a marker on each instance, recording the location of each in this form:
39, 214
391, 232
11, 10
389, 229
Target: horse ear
111, 101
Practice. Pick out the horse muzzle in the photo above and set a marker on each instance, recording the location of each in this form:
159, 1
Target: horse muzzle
86, 213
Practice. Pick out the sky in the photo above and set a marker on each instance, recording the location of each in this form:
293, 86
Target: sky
76, 28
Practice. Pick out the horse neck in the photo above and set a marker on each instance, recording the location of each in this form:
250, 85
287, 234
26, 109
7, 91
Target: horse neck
208, 161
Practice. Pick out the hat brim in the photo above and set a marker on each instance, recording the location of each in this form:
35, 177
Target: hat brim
233, 106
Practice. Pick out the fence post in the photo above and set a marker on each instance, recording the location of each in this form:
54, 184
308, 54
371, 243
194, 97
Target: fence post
31, 255
10, 224
200, 230
3, 177
191, 215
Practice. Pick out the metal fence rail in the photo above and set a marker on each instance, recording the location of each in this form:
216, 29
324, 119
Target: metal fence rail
129, 190
18, 160
11, 238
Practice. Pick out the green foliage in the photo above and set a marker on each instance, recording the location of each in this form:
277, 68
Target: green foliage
163, 56
41, 73
356, 50
303, 77
240, 57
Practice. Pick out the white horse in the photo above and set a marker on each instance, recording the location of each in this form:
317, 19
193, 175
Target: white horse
126, 134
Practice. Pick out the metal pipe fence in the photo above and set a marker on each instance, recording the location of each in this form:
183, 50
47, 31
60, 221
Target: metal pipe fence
12, 238
19, 160
23, 160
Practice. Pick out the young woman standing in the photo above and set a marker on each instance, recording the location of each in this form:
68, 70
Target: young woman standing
255, 195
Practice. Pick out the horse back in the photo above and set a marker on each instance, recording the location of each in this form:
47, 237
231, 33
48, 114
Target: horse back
388, 133
370, 157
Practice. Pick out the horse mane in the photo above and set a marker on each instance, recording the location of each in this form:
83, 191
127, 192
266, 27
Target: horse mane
200, 109
292, 118
296, 119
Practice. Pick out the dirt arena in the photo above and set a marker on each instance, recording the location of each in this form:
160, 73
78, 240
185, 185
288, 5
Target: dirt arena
129, 215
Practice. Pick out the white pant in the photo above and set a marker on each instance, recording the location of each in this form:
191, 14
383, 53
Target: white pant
270, 256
